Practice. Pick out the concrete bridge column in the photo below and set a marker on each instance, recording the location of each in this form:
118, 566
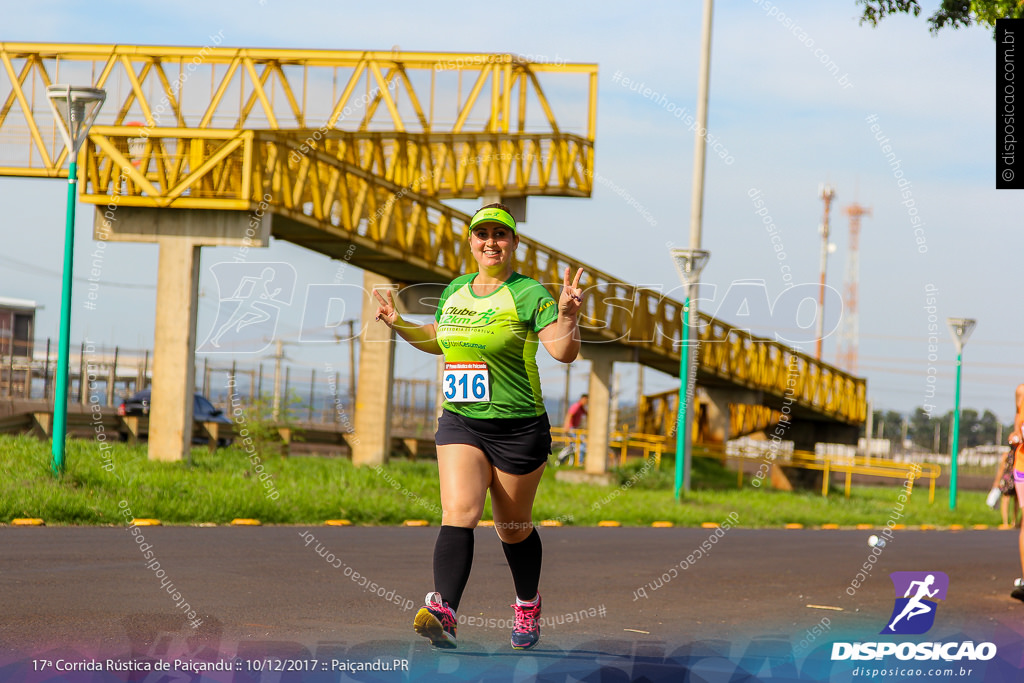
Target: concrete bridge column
177, 294
180, 233
602, 365
716, 408
719, 417
371, 441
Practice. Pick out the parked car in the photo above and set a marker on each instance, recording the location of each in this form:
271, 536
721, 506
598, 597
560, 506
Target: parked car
202, 411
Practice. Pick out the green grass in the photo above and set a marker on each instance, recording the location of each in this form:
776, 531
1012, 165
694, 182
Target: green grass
218, 487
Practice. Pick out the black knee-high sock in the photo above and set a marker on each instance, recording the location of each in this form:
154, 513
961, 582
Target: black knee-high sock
524, 559
453, 558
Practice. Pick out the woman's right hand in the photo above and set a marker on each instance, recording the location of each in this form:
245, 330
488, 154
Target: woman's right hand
386, 309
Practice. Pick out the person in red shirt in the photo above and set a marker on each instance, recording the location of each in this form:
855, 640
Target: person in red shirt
573, 421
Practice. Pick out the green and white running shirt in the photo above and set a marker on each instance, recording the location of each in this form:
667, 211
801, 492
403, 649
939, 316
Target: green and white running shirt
499, 329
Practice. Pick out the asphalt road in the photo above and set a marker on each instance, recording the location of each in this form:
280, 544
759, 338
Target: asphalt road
264, 594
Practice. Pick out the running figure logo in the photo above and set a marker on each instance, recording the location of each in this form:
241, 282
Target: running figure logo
250, 297
914, 613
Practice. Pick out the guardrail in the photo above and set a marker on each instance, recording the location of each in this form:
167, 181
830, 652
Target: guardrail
828, 464
626, 443
654, 444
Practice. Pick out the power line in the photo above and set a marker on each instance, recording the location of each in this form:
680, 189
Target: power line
39, 270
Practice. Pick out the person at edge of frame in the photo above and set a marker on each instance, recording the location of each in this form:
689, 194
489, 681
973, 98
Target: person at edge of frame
1018, 479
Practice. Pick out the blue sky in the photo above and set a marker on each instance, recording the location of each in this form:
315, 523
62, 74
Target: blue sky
786, 121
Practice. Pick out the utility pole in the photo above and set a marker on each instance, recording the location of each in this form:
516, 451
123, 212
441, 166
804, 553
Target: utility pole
351, 364
566, 401
827, 193
278, 355
697, 258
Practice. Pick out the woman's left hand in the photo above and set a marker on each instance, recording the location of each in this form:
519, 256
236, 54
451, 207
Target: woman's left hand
571, 298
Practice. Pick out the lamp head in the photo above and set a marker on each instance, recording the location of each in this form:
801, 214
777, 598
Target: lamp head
960, 329
76, 109
690, 263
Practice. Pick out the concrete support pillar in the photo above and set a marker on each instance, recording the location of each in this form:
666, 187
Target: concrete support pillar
719, 429
179, 233
602, 366
177, 295
372, 438
598, 411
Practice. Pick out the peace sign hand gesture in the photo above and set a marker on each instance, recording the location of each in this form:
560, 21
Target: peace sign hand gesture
571, 298
386, 310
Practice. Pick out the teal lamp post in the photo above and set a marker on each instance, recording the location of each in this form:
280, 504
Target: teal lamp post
689, 263
961, 329
75, 110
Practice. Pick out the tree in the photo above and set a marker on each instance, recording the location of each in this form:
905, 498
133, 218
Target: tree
990, 427
952, 13
970, 428
888, 425
922, 429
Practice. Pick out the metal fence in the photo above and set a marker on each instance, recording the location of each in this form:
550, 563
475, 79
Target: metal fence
107, 375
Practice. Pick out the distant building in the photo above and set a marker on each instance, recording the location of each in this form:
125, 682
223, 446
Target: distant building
17, 327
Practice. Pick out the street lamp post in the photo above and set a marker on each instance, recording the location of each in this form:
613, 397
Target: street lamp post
689, 263
960, 329
75, 109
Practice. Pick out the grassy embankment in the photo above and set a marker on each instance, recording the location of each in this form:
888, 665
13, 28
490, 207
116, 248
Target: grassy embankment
218, 487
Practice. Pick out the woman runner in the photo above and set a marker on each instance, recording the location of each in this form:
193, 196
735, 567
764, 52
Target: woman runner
493, 434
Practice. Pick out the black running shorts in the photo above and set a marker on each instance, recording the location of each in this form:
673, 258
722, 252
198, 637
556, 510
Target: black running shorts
516, 445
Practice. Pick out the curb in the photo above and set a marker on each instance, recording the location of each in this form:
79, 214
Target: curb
606, 523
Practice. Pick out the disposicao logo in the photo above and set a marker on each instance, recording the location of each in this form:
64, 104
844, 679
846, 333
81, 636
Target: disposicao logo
913, 613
